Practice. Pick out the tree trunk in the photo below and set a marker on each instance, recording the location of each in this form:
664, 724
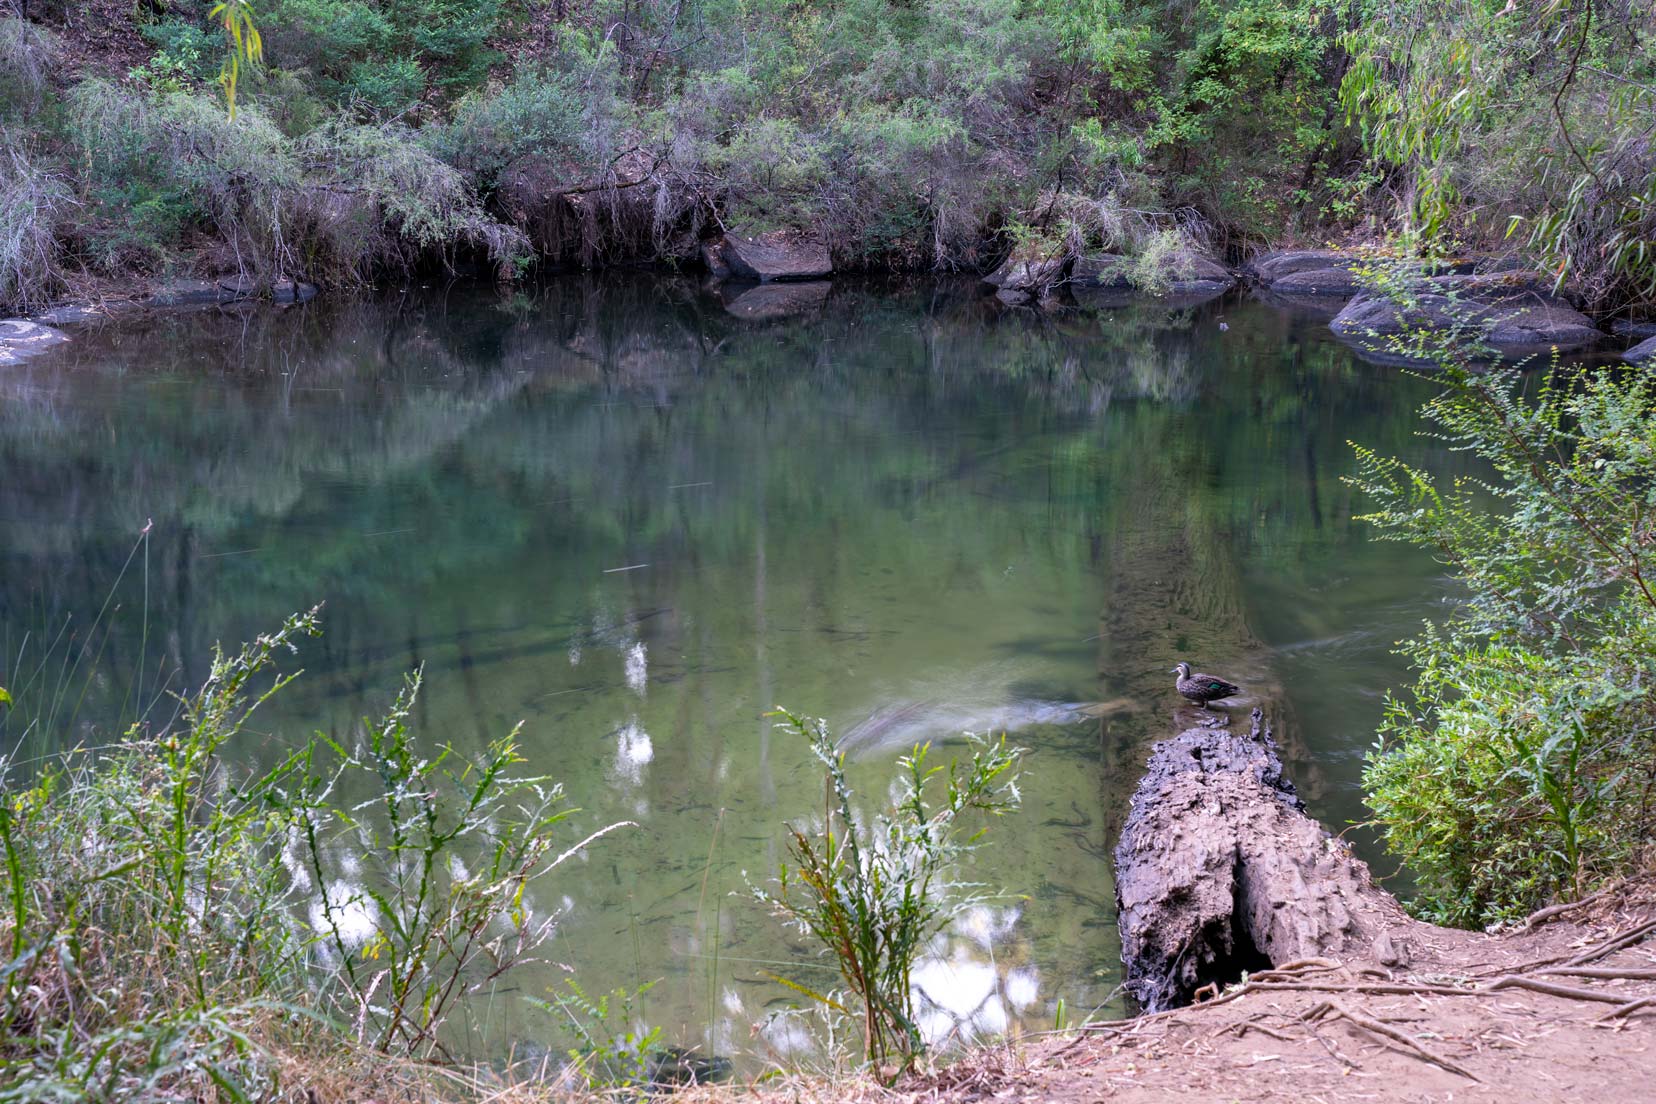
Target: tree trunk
1220, 871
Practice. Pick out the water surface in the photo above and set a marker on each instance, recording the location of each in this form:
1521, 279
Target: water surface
636, 520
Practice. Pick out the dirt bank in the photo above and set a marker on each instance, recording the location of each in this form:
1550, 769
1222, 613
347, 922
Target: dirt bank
1486, 1028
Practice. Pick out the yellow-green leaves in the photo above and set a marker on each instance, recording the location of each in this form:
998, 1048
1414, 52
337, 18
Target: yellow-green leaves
245, 45
5, 698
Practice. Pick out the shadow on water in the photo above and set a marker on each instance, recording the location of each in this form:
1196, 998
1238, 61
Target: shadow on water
638, 518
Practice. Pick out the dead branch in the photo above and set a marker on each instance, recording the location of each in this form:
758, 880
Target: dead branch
1625, 939
1629, 1008
1553, 989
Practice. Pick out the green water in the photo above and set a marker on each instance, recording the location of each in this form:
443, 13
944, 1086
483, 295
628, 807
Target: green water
619, 513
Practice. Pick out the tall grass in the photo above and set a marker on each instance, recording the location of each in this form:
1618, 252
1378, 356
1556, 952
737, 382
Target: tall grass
174, 926
874, 890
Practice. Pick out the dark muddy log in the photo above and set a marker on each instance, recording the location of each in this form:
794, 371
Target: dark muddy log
1219, 870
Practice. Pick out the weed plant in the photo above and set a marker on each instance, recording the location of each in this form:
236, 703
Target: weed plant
875, 890
178, 927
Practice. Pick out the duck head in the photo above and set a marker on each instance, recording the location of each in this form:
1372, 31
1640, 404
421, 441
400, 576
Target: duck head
1182, 670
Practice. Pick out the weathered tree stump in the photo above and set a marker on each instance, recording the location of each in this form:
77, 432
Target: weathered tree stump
1220, 870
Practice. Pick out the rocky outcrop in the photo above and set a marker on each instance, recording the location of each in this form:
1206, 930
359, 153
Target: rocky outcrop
1220, 870
1306, 271
1643, 354
1517, 313
778, 255
20, 338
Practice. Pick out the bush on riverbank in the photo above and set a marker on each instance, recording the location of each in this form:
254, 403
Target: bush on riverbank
906, 136
1521, 766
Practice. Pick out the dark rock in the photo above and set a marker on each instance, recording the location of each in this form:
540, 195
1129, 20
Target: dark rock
1102, 270
76, 314
292, 291
191, 293
712, 257
1633, 331
779, 255
1642, 354
238, 286
1518, 315
1268, 268
1341, 282
1023, 281
20, 338
767, 302
571, 214
676, 1067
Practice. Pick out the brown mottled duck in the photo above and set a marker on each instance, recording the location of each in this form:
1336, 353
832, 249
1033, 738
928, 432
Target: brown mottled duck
1202, 689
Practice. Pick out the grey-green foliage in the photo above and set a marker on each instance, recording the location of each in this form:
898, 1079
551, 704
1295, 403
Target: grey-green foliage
1518, 766
32, 203
873, 890
563, 111
27, 54
344, 200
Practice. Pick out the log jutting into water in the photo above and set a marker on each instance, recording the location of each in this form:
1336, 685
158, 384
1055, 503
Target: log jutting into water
1220, 870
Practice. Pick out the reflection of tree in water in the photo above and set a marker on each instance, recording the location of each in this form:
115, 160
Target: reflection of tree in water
827, 511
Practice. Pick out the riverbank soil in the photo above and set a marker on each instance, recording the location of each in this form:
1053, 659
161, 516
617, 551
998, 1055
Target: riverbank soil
1535, 1015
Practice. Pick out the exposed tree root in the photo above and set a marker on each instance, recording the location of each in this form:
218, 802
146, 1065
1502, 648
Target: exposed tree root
1332, 1010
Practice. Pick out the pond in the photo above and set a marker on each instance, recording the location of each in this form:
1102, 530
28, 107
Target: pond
636, 519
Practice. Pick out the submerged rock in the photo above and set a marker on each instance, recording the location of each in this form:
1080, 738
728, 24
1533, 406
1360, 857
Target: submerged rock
20, 338
1632, 330
1517, 314
779, 255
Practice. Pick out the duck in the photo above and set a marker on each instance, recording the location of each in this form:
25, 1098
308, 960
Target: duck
1201, 688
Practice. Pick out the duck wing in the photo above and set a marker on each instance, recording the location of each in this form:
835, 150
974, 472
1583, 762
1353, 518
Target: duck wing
1215, 686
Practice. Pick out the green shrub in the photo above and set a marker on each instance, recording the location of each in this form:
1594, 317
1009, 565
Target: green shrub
187, 49
1517, 768
556, 112
389, 86
873, 891
371, 50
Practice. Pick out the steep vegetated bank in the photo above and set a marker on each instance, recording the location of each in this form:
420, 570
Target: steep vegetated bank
380, 136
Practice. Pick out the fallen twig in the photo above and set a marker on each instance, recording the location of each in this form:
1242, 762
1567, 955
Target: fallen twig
1541, 916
